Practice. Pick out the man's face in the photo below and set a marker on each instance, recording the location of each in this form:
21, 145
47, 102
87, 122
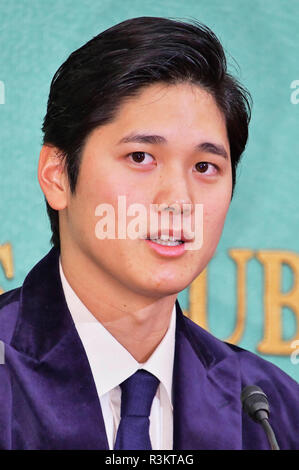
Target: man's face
174, 169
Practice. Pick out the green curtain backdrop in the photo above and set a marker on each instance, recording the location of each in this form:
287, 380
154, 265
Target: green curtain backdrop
261, 38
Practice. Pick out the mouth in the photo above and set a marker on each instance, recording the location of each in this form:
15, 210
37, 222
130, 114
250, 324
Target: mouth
169, 237
166, 247
164, 240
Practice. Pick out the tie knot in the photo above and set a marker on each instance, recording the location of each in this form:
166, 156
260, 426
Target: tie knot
138, 392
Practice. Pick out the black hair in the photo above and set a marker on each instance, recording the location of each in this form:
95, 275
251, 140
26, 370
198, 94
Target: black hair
90, 86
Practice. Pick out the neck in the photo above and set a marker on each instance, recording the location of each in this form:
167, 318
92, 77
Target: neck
137, 322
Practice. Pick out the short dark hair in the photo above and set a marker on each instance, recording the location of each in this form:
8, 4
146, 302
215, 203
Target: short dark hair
90, 86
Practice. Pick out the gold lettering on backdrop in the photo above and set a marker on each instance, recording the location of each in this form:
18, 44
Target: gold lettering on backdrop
275, 300
198, 295
240, 257
6, 261
198, 300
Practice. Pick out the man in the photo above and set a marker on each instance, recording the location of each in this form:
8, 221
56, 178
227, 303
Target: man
98, 354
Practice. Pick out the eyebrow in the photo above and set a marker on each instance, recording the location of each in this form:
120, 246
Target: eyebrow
207, 147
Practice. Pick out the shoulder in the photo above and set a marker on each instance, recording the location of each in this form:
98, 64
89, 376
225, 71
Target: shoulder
253, 368
250, 369
9, 297
9, 311
258, 368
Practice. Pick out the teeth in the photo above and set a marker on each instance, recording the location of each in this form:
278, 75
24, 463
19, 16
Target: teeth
168, 242
166, 238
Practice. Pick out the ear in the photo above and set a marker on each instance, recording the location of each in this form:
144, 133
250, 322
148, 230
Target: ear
52, 177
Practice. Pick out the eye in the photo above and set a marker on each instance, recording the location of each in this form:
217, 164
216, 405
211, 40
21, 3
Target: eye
206, 168
140, 157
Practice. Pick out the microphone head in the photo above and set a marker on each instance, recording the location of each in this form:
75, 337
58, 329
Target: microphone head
254, 400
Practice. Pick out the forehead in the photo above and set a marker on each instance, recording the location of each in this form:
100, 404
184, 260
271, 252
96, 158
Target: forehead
176, 109
184, 115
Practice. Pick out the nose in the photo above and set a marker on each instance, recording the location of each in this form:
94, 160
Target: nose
174, 193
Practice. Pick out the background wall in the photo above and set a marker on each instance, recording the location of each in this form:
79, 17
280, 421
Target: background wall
250, 293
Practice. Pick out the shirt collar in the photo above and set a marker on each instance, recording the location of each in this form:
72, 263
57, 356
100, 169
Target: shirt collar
110, 362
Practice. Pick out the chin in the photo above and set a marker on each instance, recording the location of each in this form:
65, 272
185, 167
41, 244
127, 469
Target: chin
165, 288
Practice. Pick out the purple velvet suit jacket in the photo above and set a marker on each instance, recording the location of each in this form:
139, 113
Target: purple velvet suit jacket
48, 398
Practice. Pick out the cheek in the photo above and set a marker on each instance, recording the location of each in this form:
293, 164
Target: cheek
89, 199
106, 182
215, 212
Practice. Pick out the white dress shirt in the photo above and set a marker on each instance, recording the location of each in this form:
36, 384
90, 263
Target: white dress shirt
111, 364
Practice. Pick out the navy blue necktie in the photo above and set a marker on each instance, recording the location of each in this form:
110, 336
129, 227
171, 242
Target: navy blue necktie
137, 396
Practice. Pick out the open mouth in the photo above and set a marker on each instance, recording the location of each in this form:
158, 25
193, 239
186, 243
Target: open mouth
166, 241
166, 245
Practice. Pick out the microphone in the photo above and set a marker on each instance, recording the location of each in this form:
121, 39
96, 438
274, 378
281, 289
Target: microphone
255, 403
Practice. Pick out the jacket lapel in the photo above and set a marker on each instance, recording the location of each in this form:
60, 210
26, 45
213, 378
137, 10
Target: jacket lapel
58, 406
206, 390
